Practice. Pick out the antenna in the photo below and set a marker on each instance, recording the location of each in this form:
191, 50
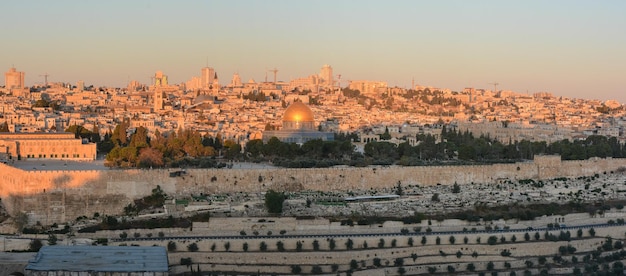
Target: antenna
495, 86
273, 71
45, 77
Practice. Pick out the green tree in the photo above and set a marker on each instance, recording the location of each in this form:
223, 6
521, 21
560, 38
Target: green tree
280, 246
171, 246
354, 264
349, 244
274, 201
34, 245
263, 246
296, 269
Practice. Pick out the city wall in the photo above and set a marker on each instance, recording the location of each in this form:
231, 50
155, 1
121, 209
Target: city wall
58, 196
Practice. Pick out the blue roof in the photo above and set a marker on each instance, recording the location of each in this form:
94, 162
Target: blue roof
100, 259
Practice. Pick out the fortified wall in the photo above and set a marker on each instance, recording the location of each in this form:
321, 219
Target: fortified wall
59, 196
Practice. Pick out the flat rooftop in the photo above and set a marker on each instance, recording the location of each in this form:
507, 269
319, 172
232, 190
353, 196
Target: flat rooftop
100, 259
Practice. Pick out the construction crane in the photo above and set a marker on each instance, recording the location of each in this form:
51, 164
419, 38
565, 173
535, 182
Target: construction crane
274, 71
495, 86
45, 77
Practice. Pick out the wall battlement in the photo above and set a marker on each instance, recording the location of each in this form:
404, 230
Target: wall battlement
58, 196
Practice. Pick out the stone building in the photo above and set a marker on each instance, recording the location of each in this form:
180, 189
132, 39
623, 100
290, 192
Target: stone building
99, 260
62, 145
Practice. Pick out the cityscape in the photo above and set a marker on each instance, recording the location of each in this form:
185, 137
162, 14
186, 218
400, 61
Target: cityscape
293, 154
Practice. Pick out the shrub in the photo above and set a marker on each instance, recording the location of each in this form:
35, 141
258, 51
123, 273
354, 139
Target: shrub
185, 261
171, 246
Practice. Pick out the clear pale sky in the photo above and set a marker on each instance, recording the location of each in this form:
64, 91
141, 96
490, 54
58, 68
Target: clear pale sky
570, 48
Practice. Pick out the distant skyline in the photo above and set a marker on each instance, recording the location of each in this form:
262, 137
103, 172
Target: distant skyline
569, 48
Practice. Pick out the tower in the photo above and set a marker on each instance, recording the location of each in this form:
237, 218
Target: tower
215, 84
158, 99
160, 79
14, 79
206, 77
236, 81
326, 75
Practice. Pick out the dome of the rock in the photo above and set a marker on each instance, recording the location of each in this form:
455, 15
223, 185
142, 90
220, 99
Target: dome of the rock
298, 116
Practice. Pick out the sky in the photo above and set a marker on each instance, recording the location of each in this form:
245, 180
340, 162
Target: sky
567, 47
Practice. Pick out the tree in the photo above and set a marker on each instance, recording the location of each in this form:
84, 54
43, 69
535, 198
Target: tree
423, 240
450, 269
471, 267
399, 190
280, 246
354, 264
410, 241
438, 240
465, 240
299, 246
456, 188
316, 245
316, 270
193, 247
401, 270
592, 232
332, 244
398, 262
263, 246
245, 247
171, 246
52, 239
579, 233
435, 197
452, 239
492, 240
35, 245
349, 244
526, 236
381, 243
227, 246
150, 157
296, 269
376, 262
274, 201
490, 266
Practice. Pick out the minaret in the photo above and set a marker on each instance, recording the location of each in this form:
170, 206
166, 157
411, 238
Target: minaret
158, 98
216, 84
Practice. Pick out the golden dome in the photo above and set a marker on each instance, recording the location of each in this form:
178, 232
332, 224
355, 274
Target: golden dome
298, 112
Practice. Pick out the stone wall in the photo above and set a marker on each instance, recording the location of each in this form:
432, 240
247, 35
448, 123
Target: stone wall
58, 196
